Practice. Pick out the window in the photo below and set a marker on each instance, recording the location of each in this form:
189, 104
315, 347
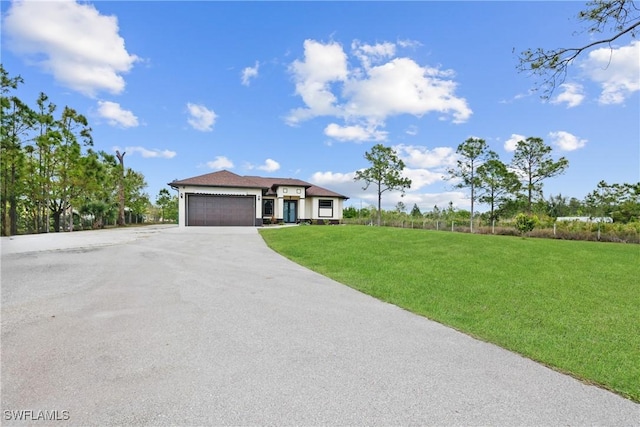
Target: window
325, 208
267, 207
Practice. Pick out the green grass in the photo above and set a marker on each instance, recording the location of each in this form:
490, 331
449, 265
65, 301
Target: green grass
572, 305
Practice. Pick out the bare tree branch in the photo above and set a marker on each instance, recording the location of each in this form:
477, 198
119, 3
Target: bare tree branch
622, 16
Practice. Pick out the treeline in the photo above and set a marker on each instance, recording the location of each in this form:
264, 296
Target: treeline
515, 188
50, 177
510, 190
620, 202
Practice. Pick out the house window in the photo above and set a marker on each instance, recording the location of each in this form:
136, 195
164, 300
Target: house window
267, 207
325, 208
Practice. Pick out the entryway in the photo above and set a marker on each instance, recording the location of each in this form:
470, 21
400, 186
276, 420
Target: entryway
290, 207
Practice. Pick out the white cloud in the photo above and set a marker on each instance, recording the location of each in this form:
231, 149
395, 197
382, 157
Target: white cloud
322, 65
220, 162
616, 70
566, 141
270, 165
355, 133
372, 54
573, 95
344, 183
115, 115
416, 156
511, 143
373, 93
401, 86
517, 97
409, 43
146, 153
330, 178
250, 73
202, 118
421, 177
423, 166
412, 130
75, 43
341, 183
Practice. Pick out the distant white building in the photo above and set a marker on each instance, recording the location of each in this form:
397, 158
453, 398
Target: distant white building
584, 219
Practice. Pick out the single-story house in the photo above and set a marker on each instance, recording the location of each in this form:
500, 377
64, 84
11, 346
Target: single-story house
225, 198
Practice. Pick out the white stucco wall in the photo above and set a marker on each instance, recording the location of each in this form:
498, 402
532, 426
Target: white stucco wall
313, 210
290, 191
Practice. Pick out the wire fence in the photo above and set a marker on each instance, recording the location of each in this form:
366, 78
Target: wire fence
573, 230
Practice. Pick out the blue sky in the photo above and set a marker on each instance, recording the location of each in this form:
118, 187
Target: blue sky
303, 89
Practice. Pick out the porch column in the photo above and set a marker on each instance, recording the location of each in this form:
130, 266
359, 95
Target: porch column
279, 209
302, 213
182, 211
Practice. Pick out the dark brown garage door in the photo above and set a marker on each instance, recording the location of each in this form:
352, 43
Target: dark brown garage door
220, 210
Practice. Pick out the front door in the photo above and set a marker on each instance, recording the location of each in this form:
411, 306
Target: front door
290, 211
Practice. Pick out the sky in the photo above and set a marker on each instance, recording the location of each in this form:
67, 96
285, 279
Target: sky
303, 89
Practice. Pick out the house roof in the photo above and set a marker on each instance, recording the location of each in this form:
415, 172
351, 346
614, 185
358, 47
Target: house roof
218, 179
278, 182
314, 190
225, 178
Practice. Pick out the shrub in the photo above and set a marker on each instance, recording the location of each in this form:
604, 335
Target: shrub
525, 223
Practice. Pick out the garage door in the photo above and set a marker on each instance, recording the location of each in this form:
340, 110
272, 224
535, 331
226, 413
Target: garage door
213, 210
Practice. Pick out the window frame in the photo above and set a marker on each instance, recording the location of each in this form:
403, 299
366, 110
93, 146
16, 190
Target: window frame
264, 206
322, 211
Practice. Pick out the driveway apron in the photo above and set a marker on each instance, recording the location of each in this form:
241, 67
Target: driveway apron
208, 326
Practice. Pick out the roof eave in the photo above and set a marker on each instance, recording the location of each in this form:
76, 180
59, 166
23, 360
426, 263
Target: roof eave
189, 184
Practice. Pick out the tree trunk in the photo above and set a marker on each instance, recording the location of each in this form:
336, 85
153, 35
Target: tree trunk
98, 222
70, 217
379, 206
56, 220
472, 197
13, 201
530, 194
5, 218
47, 220
120, 157
13, 216
46, 211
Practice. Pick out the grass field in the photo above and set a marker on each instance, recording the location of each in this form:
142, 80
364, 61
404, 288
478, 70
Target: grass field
574, 306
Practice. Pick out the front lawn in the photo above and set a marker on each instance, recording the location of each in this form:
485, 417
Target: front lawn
574, 306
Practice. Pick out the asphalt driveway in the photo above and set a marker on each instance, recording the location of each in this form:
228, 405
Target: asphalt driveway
207, 326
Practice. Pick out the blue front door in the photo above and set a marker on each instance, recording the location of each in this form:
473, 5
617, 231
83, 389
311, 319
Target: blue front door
290, 211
